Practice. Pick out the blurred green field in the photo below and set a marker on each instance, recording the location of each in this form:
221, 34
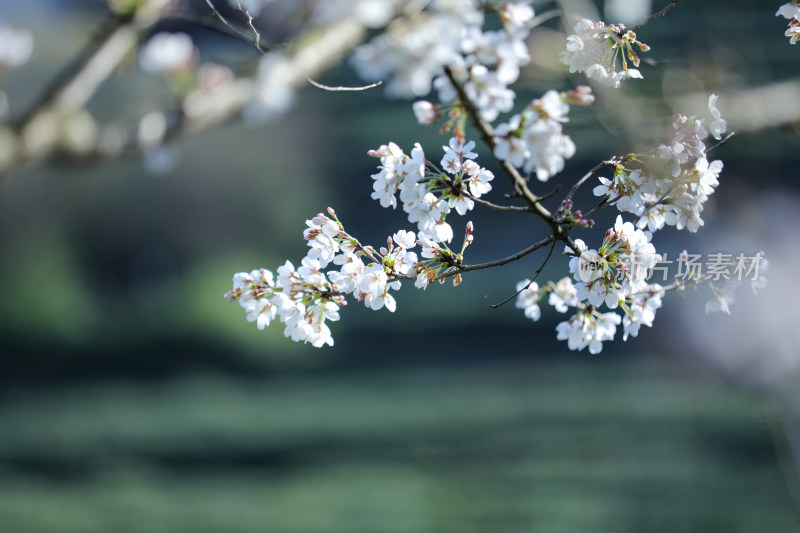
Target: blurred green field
585, 445
134, 399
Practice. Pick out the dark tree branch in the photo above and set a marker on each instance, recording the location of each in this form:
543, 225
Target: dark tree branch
656, 15
535, 275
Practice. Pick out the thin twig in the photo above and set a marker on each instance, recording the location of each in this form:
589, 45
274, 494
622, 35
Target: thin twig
256, 34
314, 54
500, 262
721, 142
340, 88
210, 21
605, 202
222, 19
544, 17
490, 205
551, 193
460, 269
656, 15
535, 275
238, 32
585, 177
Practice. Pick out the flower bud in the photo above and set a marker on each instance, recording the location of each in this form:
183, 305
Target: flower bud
580, 96
425, 112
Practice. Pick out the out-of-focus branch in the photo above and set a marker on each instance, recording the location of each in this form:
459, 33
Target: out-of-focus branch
656, 15
59, 124
256, 37
106, 32
47, 125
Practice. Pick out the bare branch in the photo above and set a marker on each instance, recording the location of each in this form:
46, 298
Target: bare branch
656, 15
585, 177
256, 40
721, 142
256, 34
315, 52
71, 71
605, 202
340, 88
490, 205
500, 262
551, 193
535, 275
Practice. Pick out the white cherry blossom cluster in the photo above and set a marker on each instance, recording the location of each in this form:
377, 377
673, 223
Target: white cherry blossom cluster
677, 179
534, 140
444, 46
791, 11
641, 309
337, 265
428, 194
670, 190
596, 50
415, 51
619, 267
587, 327
304, 298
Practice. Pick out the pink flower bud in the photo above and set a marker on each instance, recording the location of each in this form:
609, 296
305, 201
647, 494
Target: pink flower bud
580, 96
425, 112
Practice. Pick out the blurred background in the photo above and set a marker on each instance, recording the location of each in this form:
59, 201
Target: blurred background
134, 398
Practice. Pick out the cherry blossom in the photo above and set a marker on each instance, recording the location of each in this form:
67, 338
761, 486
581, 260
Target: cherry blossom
641, 310
723, 297
274, 94
528, 299
790, 11
595, 49
587, 328
445, 47
16, 46
425, 112
625, 259
563, 295
167, 53
534, 140
672, 188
